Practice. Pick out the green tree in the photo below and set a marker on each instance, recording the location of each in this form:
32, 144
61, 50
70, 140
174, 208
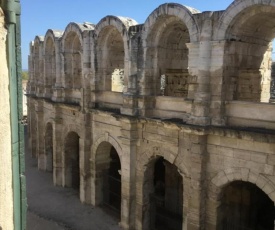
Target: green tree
25, 75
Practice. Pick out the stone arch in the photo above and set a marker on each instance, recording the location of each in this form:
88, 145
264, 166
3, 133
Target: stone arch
106, 164
224, 177
232, 12
245, 181
107, 138
156, 151
145, 171
184, 13
112, 52
75, 28
167, 31
49, 151
247, 27
72, 128
50, 50
72, 47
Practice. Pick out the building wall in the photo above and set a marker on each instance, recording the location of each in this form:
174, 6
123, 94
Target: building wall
206, 115
24, 88
6, 186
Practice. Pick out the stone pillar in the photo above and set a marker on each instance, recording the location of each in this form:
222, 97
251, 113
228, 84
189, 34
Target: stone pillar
193, 57
82, 169
130, 101
217, 84
144, 188
130, 91
84, 161
212, 207
129, 137
196, 190
87, 72
200, 111
146, 72
57, 149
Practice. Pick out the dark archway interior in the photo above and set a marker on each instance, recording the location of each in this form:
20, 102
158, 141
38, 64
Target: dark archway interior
49, 147
167, 198
112, 182
245, 207
72, 161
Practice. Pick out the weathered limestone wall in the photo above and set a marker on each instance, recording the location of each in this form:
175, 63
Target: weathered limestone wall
179, 96
237, 156
6, 190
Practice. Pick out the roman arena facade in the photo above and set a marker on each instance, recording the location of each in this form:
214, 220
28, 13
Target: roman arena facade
169, 123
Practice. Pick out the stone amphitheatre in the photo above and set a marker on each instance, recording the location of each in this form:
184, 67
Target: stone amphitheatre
168, 123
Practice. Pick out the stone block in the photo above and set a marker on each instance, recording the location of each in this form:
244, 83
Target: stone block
269, 169
258, 157
220, 179
242, 154
271, 159
228, 152
268, 188
256, 167
261, 182
245, 174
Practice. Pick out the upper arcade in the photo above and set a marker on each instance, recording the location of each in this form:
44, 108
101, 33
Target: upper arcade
204, 68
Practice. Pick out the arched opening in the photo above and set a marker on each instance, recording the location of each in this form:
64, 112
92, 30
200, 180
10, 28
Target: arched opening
108, 174
50, 67
163, 190
248, 54
167, 62
49, 147
32, 129
72, 168
72, 61
77, 64
111, 53
244, 206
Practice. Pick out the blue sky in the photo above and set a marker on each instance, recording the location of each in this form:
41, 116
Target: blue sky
37, 16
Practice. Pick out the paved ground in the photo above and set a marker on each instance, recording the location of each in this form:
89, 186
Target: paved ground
57, 208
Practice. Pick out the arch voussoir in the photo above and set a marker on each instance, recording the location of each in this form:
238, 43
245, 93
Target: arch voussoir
224, 177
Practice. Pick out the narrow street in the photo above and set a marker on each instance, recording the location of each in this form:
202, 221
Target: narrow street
57, 208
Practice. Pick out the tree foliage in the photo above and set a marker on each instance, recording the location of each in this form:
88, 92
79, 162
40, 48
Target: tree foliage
25, 75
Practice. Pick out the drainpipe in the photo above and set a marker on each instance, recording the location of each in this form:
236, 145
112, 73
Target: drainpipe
12, 10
